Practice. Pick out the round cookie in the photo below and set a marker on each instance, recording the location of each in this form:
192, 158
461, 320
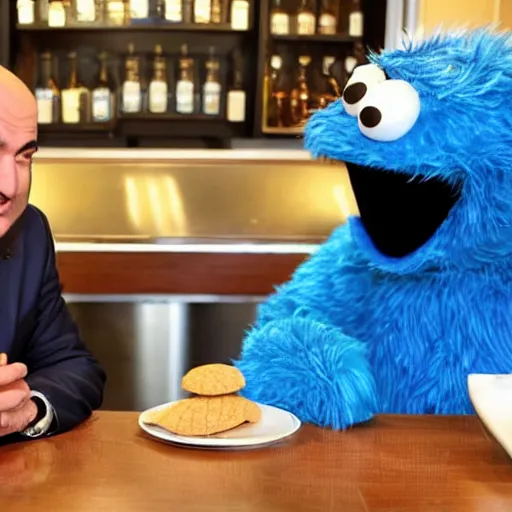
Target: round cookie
203, 416
213, 380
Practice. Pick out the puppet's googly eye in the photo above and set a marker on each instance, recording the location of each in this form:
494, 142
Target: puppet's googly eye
361, 80
389, 110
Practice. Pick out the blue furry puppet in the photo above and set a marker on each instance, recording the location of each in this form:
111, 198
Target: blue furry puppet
394, 311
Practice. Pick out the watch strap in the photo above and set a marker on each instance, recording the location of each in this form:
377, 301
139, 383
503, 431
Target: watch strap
44, 418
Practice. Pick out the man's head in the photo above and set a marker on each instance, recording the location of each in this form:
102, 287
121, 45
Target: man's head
18, 134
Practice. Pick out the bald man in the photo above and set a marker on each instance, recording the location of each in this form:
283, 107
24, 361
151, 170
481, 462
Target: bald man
49, 382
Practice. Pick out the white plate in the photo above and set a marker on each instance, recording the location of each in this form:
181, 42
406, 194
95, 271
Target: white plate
275, 424
491, 396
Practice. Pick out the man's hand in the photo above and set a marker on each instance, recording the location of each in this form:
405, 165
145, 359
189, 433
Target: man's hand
17, 410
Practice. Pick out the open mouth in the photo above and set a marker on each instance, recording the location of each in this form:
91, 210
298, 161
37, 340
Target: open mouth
5, 202
400, 213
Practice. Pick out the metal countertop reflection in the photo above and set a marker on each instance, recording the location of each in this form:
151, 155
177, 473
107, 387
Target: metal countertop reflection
294, 204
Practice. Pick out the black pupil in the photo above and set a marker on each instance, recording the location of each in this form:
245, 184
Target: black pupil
370, 117
354, 93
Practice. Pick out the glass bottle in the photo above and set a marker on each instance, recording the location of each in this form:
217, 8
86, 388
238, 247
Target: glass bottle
139, 9
26, 12
131, 89
118, 12
202, 11
299, 109
306, 20
327, 22
173, 11
212, 87
103, 95
85, 11
47, 93
76, 97
188, 11
279, 97
279, 19
216, 12
158, 89
355, 20
236, 97
42, 11
239, 16
57, 13
185, 85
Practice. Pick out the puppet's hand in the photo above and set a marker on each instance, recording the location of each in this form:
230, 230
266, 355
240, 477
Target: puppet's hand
311, 370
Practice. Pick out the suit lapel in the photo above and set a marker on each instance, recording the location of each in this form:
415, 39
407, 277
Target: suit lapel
11, 262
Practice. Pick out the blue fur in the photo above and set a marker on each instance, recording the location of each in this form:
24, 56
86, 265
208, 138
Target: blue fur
355, 332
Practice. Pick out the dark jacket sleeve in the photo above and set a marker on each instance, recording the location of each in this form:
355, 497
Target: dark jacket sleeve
59, 364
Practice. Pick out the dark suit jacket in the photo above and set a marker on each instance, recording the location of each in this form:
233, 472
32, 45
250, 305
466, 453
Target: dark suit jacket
36, 327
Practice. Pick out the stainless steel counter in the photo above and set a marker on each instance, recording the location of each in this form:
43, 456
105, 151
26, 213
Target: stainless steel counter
203, 201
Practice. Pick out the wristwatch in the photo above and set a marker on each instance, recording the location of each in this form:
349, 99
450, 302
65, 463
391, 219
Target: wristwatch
43, 420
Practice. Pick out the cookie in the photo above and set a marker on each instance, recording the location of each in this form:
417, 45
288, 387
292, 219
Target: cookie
3, 358
213, 380
203, 416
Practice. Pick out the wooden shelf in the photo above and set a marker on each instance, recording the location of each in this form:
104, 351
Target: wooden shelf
293, 130
316, 38
176, 27
76, 128
148, 116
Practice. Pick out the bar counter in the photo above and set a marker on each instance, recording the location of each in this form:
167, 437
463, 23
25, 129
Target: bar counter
217, 222
393, 464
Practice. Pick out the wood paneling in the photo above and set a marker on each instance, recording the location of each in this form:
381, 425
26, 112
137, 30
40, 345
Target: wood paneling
174, 273
394, 464
457, 13
506, 14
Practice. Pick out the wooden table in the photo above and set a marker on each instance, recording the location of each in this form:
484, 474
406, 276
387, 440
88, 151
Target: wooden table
404, 464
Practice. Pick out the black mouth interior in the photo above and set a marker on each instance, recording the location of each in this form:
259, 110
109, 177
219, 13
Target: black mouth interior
400, 214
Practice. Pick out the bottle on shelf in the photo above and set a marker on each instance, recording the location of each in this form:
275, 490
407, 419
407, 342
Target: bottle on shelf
331, 90
327, 21
275, 97
42, 7
158, 89
355, 20
47, 93
356, 58
306, 19
236, 97
76, 97
118, 12
173, 11
212, 88
188, 11
185, 85
103, 96
85, 11
299, 96
279, 19
239, 15
158, 12
58, 13
202, 11
101, 12
131, 89
139, 9
327, 65
26, 12
216, 11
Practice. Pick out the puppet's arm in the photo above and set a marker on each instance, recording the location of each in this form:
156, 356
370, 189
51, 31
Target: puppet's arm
296, 358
